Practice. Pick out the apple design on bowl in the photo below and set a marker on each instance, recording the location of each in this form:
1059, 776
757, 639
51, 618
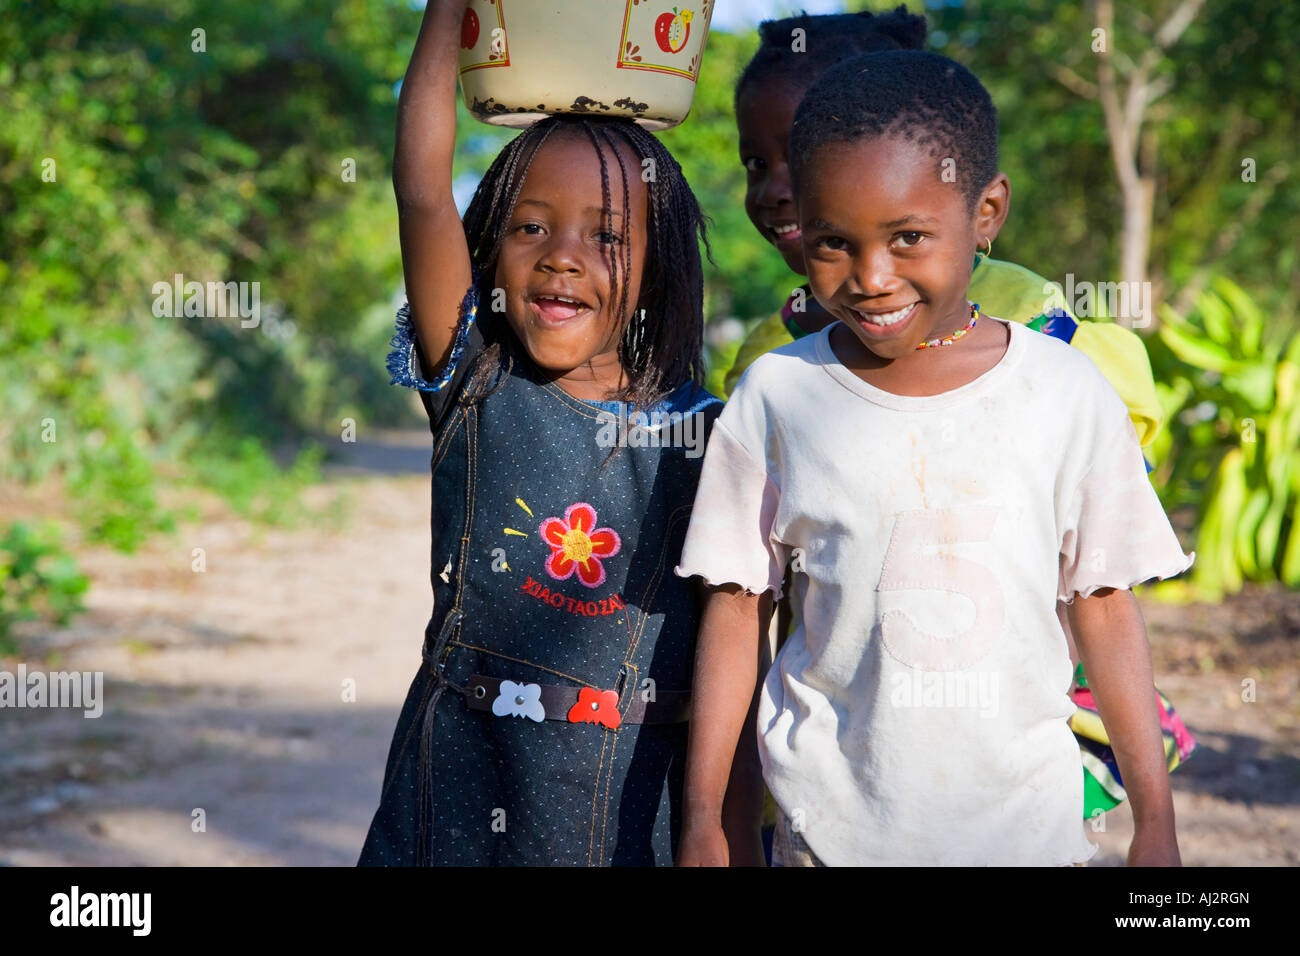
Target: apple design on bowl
469, 30
672, 30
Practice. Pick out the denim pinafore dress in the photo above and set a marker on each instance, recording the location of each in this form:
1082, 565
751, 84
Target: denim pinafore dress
552, 570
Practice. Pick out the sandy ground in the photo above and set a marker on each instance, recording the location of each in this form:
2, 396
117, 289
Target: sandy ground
226, 692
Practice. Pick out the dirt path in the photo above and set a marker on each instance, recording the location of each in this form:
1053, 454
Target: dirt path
224, 691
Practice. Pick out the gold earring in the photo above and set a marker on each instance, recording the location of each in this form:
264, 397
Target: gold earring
990, 242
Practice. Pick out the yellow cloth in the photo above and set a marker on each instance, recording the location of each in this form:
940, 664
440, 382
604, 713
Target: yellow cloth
769, 334
1121, 356
1011, 291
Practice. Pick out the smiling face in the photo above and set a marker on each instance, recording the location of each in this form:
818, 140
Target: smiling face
764, 114
889, 244
554, 262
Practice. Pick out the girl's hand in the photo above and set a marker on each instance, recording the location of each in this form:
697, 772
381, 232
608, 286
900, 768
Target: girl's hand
1155, 842
1154, 849
703, 844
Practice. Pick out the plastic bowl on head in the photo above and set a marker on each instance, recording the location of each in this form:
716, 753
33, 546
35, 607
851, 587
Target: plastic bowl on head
522, 60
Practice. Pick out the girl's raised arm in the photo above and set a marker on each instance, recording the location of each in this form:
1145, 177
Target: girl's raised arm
435, 256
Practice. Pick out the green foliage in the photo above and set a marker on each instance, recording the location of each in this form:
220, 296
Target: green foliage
253, 483
114, 496
38, 581
720, 359
1232, 445
128, 157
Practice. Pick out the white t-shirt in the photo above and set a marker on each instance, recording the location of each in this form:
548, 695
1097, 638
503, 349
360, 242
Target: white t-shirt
918, 713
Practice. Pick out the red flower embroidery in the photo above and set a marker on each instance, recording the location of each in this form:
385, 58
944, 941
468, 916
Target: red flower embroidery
596, 707
575, 546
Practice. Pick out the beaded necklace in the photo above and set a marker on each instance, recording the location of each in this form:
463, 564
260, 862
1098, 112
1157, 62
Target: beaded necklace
949, 339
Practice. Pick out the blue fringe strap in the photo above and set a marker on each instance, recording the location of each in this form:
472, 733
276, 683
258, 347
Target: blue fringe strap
403, 363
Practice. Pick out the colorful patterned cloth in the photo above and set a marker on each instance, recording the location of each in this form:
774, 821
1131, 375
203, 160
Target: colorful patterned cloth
1102, 788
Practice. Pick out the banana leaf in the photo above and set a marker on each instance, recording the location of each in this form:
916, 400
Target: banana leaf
1291, 559
1218, 321
1254, 382
1250, 320
1283, 437
1268, 535
1196, 351
1244, 533
1232, 490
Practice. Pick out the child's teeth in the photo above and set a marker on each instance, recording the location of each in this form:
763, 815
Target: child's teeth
784, 230
889, 318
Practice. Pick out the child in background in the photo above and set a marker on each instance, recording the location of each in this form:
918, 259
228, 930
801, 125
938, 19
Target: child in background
939, 479
546, 724
769, 90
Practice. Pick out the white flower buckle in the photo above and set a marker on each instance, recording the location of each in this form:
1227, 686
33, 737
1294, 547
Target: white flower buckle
519, 700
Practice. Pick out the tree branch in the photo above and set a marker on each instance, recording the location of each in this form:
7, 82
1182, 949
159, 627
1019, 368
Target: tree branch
1073, 81
1158, 88
1231, 236
1179, 21
1121, 143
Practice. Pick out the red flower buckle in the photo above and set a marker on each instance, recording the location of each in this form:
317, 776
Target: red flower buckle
596, 707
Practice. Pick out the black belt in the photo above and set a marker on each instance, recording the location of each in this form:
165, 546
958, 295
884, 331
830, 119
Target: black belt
573, 704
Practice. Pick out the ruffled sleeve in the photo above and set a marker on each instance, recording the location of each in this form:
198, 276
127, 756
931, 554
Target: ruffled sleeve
1114, 532
404, 357
729, 540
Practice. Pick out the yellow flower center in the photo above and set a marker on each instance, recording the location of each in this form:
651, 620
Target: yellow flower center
577, 546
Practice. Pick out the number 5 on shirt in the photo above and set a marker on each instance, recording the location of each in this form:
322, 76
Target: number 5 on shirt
919, 559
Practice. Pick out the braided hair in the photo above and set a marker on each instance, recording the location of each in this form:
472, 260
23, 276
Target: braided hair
658, 354
827, 40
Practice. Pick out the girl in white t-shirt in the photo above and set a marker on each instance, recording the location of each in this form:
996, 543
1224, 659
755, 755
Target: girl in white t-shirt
937, 480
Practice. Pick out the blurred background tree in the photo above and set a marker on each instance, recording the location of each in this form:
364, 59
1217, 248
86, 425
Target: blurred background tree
1221, 94
142, 140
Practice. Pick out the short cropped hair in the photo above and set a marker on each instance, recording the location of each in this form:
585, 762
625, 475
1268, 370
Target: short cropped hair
924, 97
